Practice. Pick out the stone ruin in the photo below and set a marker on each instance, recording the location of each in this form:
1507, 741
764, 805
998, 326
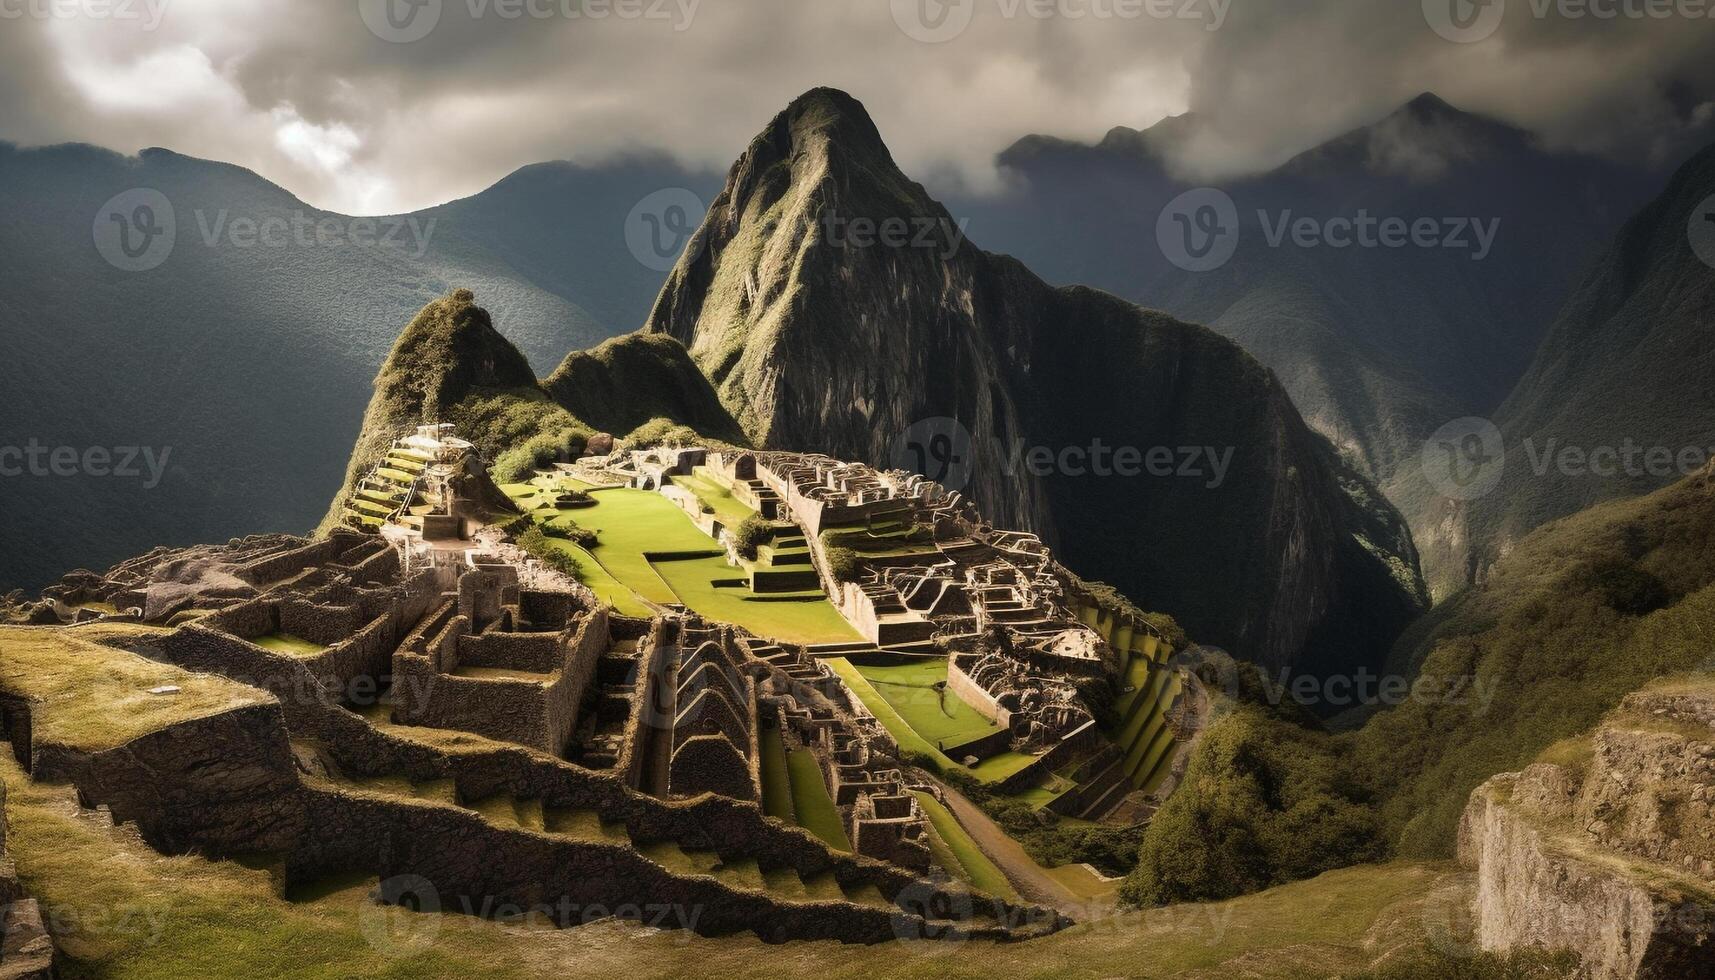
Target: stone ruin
455, 723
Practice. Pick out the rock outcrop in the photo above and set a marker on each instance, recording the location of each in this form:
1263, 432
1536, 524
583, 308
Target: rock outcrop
1612, 856
835, 306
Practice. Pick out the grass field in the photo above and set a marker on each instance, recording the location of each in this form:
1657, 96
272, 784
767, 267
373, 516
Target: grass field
973, 865
633, 525
776, 778
909, 738
94, 697
697, 582
940, 716
813, 807
718, 498
297, 646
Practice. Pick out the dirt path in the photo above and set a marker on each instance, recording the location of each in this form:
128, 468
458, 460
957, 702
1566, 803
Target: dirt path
1010, 856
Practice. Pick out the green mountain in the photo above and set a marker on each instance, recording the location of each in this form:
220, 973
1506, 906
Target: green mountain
451, 365
822, 331
1618, 391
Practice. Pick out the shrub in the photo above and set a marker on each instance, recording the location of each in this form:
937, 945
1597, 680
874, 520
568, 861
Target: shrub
751, 534
844, 564
571, 531
537, 546
1264, 802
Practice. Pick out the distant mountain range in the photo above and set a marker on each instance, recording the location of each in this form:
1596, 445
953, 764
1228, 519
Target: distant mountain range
247, 349
1619, 399
239, 362
1378, 345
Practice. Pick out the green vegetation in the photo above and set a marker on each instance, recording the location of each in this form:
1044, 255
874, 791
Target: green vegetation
844, 564
750, 535
1581, 613
89, 696
776, 778
536, 543
646, 550
222, 918
971, 863
287, 643
1263, 802
925, 704
715, 497
811, 806
917, 690
1051, 840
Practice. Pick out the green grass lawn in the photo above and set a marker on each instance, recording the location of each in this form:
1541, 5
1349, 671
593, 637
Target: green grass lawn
776, 778
856, 678
815, 810
297, 646
89, 696
973, 865
631, 525
811, 619
940, 716
709, 490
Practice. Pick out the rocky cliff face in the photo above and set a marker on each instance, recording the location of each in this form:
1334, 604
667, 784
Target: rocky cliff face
838, 308
1609, 852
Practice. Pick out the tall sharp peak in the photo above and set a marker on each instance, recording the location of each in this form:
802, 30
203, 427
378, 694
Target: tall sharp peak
827, 123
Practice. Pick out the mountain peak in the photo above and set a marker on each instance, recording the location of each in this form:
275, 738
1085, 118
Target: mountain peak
1428, 105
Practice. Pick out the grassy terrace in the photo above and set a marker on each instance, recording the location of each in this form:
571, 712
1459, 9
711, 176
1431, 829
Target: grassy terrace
286, 643
901, 700
649, 551
94, 697
969, 861
185, 916
715, 496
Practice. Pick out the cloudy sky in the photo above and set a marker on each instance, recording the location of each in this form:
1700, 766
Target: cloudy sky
374, 106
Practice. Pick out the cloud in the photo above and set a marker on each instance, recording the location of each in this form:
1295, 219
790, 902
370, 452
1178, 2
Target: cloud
314, 98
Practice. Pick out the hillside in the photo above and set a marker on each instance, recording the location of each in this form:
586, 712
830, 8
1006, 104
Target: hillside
1581, 613
1627, 363
819, 338
450, 364
249, 348
1432, 334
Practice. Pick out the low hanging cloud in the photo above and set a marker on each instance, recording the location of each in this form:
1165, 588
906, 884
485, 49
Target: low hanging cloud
377, 106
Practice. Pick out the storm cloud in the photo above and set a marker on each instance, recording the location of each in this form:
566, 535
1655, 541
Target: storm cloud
378, 106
